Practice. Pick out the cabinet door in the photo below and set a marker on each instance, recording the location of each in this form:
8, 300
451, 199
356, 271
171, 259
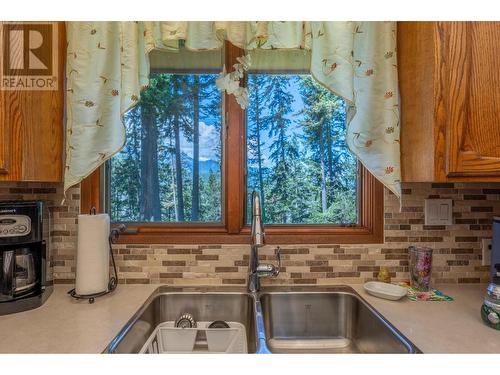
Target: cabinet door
471, 81
31, 128
4, 145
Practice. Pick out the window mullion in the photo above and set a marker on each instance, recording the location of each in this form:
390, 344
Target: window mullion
235, 153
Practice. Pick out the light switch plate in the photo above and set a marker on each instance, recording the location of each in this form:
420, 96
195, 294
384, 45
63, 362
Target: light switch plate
438, 211
486, 251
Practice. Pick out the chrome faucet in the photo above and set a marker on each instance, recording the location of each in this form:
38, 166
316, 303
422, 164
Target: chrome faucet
258, 239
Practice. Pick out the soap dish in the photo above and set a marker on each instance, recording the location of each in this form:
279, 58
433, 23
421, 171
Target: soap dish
385, 290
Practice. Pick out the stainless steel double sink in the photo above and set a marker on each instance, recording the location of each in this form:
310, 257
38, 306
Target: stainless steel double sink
277, 320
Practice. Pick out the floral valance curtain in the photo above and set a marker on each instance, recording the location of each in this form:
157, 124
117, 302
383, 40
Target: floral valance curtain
108, 65
106, 68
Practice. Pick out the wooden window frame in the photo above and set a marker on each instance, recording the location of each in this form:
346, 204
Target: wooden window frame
233, 229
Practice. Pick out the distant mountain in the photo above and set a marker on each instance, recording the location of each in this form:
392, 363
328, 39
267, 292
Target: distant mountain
205, 166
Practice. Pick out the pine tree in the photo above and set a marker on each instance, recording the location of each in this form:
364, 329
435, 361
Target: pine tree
195, 92
125, 178
211, 115
283, 151
210, 206
298, 161
324, 133
256, 125
150, 190
146, 114
176, 120
314, 122
152, 176
205, 102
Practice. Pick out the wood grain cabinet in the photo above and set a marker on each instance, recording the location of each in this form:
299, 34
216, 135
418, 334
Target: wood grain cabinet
449, 76
32, 128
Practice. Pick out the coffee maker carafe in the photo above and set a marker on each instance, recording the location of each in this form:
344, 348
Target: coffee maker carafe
24, 249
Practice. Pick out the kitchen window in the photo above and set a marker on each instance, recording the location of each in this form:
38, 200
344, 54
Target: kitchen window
193, 157
170, 168
297, 157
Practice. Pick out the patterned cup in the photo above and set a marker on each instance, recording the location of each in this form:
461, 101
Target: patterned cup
420, 267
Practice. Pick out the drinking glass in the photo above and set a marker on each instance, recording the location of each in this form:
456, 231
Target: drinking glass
420, 267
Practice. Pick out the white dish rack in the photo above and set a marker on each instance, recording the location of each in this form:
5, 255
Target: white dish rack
166, 338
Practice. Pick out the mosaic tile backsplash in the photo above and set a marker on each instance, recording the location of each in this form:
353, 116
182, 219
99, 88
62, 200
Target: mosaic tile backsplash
457, 247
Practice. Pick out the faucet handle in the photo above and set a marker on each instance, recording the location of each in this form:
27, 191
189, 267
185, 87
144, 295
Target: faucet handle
270, 270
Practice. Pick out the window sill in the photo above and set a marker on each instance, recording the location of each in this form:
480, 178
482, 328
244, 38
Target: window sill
370, 230
275, 235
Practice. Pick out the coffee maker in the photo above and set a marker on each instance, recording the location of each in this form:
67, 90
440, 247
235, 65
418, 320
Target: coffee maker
25, 280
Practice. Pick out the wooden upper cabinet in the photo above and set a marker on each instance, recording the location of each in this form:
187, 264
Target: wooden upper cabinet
4, 149
32, 127
473, 96
449, 76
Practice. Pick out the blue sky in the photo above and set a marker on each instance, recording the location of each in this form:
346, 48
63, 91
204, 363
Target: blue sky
209, 140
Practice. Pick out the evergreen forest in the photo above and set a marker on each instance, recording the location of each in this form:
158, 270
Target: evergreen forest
170, 167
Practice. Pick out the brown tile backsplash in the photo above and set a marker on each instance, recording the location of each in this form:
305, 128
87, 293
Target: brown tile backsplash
457, 255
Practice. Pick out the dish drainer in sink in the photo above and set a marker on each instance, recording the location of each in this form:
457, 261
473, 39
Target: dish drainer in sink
166, 338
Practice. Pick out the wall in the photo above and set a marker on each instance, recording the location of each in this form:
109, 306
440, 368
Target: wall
457, 255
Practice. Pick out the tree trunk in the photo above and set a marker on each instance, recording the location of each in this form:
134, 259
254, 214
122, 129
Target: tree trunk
324, 205
259, 155
177, 144
173, 169
178, 169
195, 195
329, 145
281, 142
150, 209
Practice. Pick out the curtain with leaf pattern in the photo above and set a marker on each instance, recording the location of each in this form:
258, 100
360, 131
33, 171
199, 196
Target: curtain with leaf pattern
108, 66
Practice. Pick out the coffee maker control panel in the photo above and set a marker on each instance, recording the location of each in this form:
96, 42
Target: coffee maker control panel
14, 225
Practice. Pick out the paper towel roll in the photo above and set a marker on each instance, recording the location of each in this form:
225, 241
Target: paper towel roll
92, 256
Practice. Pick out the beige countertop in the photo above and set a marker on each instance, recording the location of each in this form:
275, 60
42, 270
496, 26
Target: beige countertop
64, 325
441, 327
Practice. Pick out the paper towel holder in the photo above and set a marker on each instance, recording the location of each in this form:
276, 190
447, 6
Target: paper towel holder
113, 280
